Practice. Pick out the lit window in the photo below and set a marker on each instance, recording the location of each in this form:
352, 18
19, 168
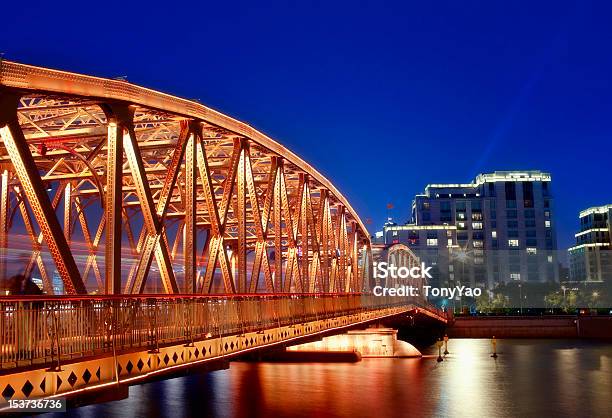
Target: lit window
460, 215
477, 244
432, 242
532, 250
461, 225
550, 258
493, 234
515, 276
513, 243
476, 225
547, 224
450, 242
450, 267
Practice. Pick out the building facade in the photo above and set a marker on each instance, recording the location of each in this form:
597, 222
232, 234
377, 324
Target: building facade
591, 258
496, 229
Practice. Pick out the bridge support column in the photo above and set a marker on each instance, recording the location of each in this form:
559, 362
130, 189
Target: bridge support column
113, 199
189, 239
4, 213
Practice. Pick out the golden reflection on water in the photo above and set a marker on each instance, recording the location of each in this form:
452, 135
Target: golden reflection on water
531, 378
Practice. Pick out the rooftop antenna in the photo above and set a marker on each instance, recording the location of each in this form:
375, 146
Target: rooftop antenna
121, 78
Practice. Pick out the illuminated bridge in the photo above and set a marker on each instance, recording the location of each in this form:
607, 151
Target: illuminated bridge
164, 234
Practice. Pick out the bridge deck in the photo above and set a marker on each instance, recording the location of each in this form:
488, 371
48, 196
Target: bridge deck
107, 340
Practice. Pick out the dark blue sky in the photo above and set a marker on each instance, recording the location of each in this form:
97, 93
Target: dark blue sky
381, 97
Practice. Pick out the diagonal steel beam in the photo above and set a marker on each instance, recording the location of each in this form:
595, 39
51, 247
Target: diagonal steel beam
152, 220
216, 246
150, 240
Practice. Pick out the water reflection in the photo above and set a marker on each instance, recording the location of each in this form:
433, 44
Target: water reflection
530, 378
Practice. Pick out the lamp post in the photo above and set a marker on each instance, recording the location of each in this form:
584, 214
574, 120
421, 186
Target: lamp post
564, 289
520, 286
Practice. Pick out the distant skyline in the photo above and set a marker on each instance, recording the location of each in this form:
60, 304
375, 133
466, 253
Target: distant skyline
380, 97
560, 240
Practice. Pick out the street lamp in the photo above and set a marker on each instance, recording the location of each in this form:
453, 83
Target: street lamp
564, 289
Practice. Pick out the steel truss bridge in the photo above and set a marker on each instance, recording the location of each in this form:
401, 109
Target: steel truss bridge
131, 192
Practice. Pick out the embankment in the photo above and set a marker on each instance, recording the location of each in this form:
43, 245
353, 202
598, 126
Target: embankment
532, 327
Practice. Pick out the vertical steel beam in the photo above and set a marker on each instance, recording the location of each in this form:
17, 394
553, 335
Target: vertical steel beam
303, 228
368, 270
113, 203
354, 243
4, 213
342, 240
241, 216
189, 240
278, 227
324, 238
25, 167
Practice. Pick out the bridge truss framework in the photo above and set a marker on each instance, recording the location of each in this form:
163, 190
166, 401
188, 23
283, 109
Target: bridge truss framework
137, 174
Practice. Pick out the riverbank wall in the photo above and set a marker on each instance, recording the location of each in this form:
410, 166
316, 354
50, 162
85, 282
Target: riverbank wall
531, 327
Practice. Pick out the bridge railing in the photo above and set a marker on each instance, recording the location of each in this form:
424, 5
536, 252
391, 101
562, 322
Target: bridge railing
37, 330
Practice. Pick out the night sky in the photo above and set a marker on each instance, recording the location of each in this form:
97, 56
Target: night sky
380, 97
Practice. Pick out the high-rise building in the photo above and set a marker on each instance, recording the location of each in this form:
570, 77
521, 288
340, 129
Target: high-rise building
498, 228
591, 257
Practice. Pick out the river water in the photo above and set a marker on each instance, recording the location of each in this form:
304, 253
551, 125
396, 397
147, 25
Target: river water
530, 378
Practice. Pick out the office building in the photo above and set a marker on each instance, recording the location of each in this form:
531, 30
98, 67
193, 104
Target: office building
498, 228
591, 258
